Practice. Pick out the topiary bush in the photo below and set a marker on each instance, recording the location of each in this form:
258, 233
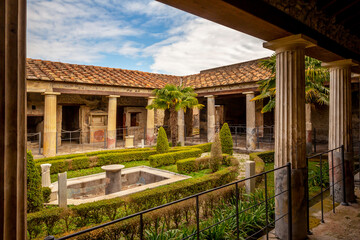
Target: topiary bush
162, 144
226, 139
216, 154
34, 193
46, 192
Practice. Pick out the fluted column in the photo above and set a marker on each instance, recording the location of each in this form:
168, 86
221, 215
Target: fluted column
181, 127
50, 115
290, 132
111, 127
251, 138
12, 120
340, 126
150, 123
309, 128
210, 118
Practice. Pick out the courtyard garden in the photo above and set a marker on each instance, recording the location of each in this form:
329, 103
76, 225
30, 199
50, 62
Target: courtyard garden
208, 165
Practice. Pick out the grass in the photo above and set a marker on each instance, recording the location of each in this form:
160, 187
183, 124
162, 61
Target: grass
270, 178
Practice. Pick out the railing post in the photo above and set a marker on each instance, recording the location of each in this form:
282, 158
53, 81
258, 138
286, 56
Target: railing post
266, 209
141, 227
332, 179
237, 212
289, 202
235, 136
39, 143
307, 197
56, 134
321, 191
197, 218
344, 203
105, 140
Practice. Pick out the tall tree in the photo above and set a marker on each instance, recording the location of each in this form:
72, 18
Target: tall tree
174, 98
315, 77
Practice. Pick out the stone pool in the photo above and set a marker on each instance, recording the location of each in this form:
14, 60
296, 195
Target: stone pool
92, 187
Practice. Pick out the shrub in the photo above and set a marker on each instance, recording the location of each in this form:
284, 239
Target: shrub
95, 212
267, 156
226, 139
216, 154
165, 159
34, 195
187, 165
46, 192
162, 144
205, 147
83, 162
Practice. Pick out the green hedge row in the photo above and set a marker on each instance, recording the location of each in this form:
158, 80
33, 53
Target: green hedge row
89, 154
83, 162
94, 213
196, 164
267, 156
170, 158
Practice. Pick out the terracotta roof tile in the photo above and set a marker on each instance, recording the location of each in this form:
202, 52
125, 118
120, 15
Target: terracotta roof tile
64, 72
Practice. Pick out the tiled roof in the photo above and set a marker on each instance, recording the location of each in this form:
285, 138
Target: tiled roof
73, 73
245, 72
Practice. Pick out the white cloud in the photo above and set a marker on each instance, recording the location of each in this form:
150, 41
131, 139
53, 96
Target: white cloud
201, 44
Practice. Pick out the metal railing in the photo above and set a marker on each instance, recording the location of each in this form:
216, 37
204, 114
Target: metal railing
196, 235
325, 186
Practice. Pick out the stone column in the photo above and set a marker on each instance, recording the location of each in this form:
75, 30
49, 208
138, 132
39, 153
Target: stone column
181, 127
111, 127
259, 118
340, 126
62, 189
309, 128
50, 124
210, 118
251, 138
196, 121
250, 171
150, 123
290, 132
13, 120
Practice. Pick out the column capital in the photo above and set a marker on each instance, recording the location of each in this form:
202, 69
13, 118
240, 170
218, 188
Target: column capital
50, 93
339, 64
209, 96
291, 42
113, 96
249, 92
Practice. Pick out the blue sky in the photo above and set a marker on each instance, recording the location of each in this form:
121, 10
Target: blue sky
133, 34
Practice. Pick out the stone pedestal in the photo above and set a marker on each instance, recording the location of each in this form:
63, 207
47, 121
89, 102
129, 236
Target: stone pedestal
251, 138
113, 176
250, 171
62, 189
150, 124
49, 149
210, 118
111, 126
340, 122
181, 127
290, 145
45, 175
129, 141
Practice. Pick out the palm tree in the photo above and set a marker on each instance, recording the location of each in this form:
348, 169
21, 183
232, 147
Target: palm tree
174, 98
315, 77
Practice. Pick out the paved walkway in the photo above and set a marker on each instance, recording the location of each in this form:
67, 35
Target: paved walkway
343, 224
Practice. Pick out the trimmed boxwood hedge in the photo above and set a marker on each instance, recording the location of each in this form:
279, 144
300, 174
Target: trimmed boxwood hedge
267, 156
97, 212
189, 165
83, 162
170, 158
